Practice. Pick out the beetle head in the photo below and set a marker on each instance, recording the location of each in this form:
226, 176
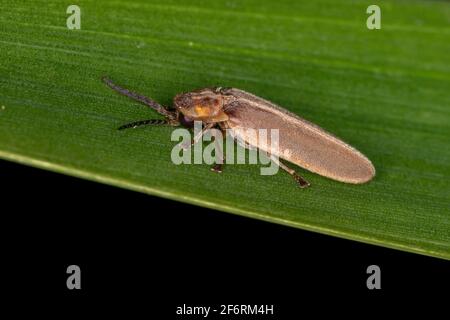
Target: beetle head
203, 105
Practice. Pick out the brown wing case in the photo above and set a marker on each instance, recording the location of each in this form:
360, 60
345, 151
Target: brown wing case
300, 142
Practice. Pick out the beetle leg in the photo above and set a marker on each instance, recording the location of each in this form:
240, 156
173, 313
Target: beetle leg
299, 179
149, 122
197, 138
171, 116
218, 167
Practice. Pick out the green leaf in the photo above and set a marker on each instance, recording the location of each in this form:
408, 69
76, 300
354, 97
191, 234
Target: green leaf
385, 91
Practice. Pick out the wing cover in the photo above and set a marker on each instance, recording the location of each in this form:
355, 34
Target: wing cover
300, 142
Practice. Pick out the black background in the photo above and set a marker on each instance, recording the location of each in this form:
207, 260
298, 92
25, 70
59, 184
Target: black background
140, 251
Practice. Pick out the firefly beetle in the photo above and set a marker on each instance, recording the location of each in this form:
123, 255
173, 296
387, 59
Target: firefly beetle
301, 142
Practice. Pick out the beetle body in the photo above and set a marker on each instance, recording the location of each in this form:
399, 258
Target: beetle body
300, 141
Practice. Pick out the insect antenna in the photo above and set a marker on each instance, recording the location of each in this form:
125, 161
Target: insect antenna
149, 122
140, 98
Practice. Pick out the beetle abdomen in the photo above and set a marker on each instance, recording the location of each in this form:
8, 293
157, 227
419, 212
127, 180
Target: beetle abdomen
300, 142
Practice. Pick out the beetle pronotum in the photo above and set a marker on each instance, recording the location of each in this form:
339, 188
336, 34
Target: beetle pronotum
300, 142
